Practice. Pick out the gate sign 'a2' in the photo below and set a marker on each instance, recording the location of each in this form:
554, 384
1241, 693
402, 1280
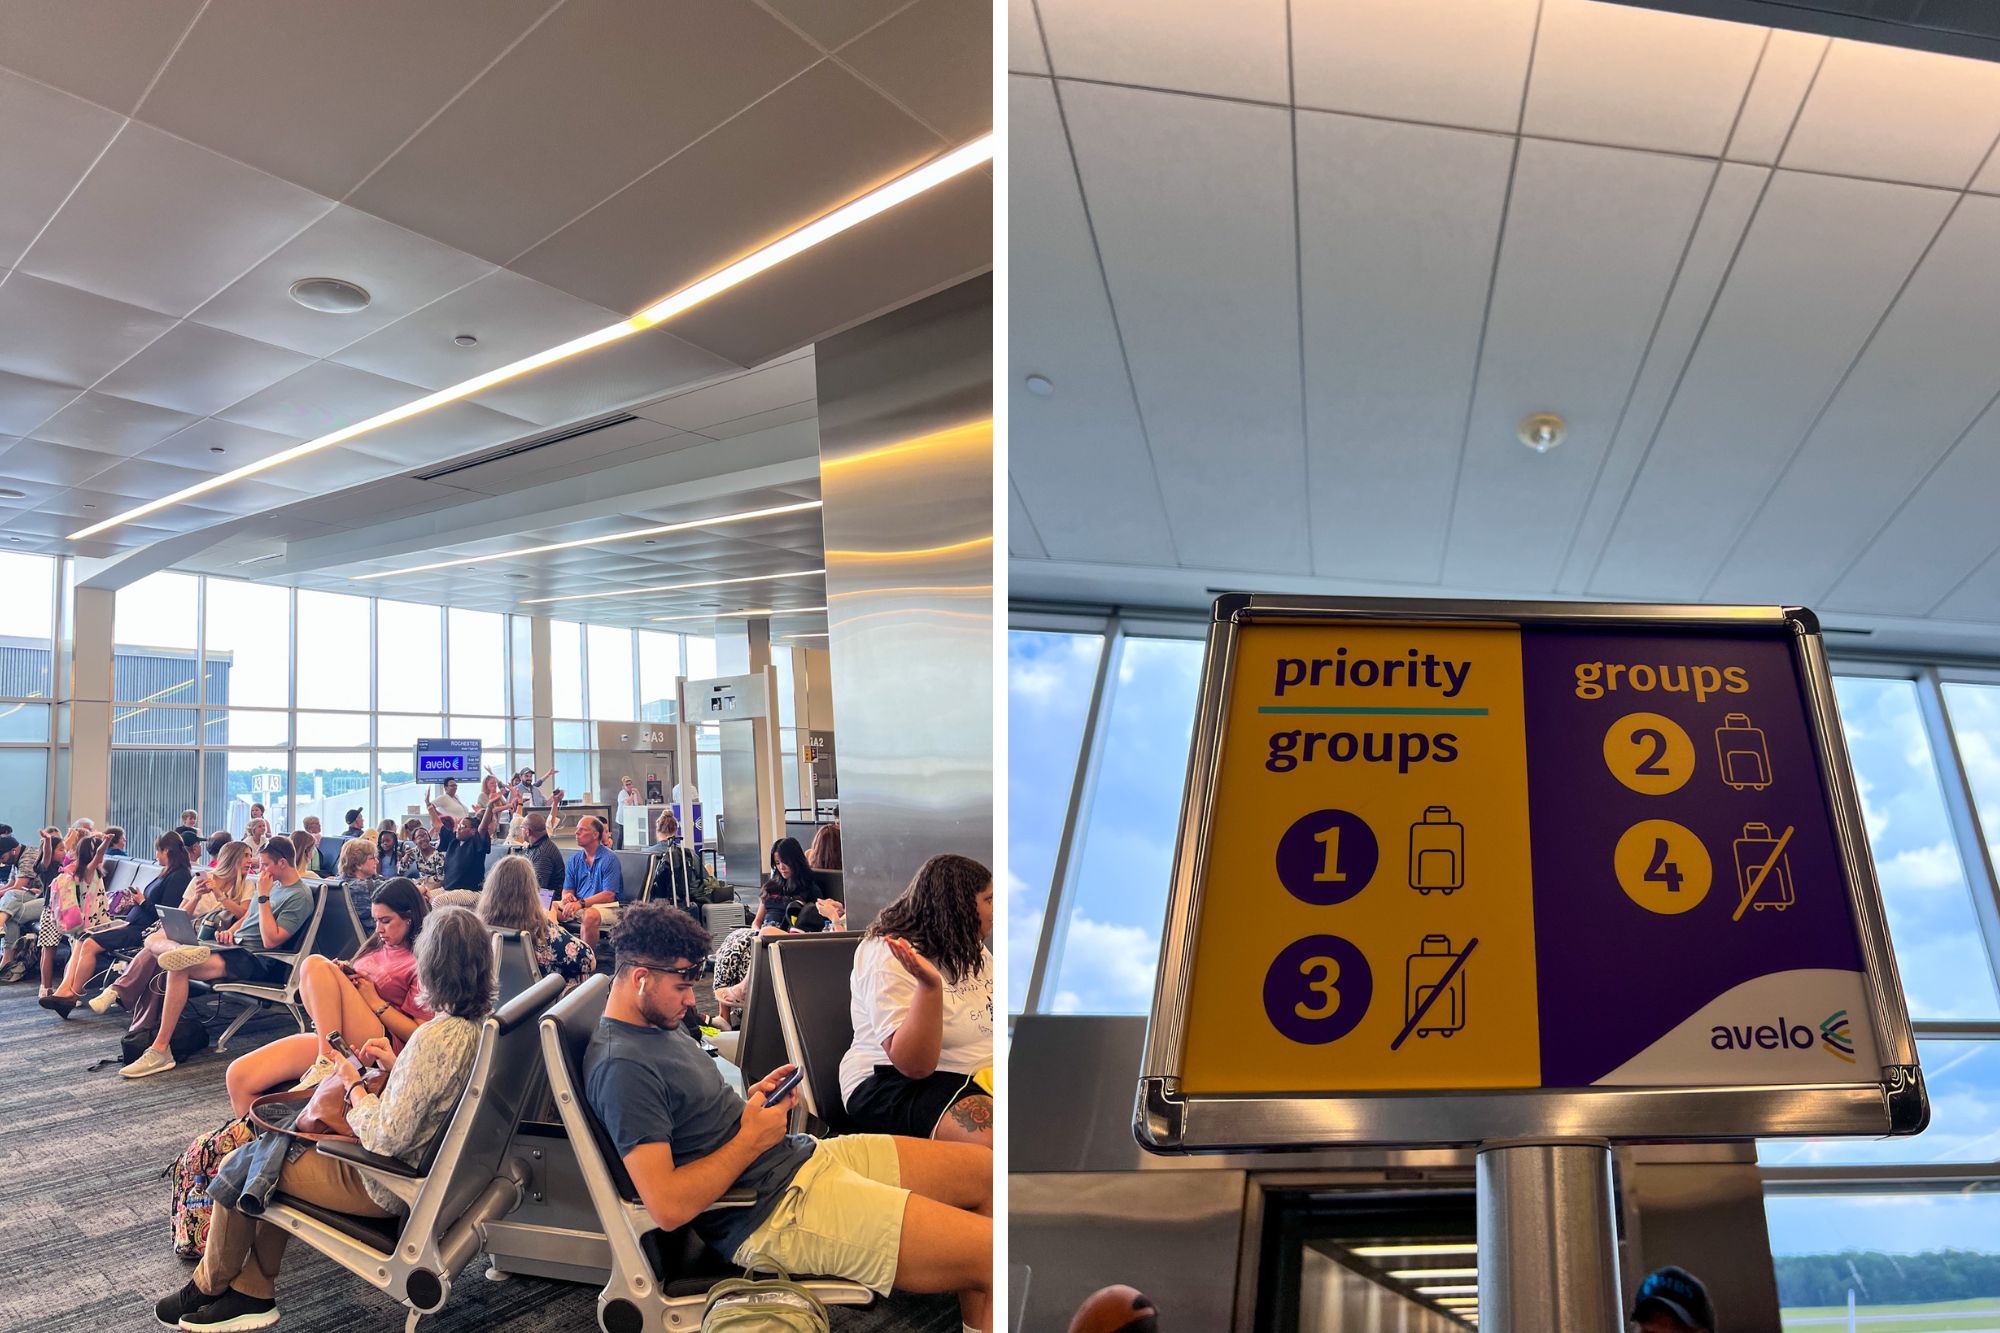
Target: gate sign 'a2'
1451, 872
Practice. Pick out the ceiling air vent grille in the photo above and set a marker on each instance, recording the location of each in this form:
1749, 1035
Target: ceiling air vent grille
529, 445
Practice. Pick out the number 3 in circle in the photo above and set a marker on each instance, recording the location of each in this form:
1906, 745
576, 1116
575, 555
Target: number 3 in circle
1317, 989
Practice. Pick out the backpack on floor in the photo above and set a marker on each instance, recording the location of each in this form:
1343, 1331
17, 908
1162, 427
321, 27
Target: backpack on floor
191, 1172
750, 1304
190, 1036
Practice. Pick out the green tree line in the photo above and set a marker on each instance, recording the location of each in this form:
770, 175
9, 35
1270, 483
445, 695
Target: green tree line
1887, 1279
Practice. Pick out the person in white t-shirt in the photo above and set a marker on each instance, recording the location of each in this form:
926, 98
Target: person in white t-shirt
447, 803
922, 1060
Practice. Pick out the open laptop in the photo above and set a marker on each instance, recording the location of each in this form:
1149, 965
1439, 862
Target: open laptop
181, 929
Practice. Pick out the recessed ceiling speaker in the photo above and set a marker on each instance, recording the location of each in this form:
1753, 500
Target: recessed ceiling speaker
1543, 431
333, 296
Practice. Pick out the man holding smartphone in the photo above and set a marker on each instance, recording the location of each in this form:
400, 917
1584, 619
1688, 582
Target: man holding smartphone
914, 1214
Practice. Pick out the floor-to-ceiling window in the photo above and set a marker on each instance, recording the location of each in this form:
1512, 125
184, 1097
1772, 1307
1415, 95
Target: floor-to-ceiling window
27, 657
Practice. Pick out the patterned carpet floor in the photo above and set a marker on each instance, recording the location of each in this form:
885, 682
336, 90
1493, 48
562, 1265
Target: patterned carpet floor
87, 1237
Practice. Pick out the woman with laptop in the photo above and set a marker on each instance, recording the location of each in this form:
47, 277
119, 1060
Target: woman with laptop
166, 890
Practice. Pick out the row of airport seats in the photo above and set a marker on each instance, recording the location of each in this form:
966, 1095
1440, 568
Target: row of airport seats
548, 1194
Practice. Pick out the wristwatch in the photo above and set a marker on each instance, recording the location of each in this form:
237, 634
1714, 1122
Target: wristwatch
263, 897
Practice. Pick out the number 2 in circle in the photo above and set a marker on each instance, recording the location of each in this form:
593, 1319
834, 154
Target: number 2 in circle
1332, 873
1326, 985
1662, 871
1650, 766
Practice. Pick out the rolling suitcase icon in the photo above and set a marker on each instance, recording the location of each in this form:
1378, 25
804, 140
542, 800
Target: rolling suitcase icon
1763, 871
1741, 754
1437, 852
1434, 963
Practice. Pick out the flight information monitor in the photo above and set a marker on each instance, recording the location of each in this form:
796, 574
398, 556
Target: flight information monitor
437, 760
1454, 872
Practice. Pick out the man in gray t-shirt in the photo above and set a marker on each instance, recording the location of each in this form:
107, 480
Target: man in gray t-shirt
915, 1214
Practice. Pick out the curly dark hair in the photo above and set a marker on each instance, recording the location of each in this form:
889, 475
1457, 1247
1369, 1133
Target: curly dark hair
939, 914
657, 933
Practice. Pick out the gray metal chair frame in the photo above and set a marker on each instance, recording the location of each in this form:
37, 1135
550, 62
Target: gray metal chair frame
466, 1180
636, 1297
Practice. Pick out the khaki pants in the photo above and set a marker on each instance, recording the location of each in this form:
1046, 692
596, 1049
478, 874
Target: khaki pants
244, 1252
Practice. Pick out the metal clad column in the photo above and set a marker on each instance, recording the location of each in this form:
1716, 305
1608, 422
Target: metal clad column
1547, 1250
906, 473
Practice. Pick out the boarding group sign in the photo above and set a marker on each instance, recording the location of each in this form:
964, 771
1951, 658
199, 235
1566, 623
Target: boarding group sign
1520, 852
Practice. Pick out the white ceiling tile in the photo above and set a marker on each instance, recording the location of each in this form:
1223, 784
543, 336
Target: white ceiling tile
936, 58
321, 94
1594, 236
1738, 188
1022, 539
593, 98
198, 446
26, 402
1399, 228
1940, 536
207, 219
1895, 114
1820, 265
66, 335
758, 390
1927, 376
442, 434
200, 370
832, 23
1024, 39
512, 316
1172, 182
1638, 78
1078, 457
112, 425
753, 422
1447, 62
401, 271
1977, 599
937, 240
45, 465
633, 370
321, 398
821, 140
1776, 95
48, 139
1234, 50
105, 50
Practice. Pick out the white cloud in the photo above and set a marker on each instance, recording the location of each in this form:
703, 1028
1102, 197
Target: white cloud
1107, 968
1932, 867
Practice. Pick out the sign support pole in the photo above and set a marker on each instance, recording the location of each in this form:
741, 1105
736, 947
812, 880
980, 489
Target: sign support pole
1548, 1256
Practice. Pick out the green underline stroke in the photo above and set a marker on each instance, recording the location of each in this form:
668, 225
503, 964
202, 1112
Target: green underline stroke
1372, 712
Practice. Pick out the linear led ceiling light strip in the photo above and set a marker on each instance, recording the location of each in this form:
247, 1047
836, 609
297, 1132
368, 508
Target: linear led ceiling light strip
674, 587
877, 201
628, 535
775, 614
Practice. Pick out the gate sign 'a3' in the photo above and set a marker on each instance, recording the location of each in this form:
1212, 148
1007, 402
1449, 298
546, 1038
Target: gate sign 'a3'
1452, 872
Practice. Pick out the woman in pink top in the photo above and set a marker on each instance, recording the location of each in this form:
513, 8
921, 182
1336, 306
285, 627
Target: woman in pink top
374, 995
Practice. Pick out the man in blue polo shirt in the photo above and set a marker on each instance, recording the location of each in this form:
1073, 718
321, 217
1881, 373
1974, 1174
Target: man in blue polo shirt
593, 883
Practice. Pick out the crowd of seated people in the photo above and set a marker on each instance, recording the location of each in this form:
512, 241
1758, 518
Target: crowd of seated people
903, 1202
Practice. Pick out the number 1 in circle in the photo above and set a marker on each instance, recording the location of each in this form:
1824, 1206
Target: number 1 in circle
1332, 873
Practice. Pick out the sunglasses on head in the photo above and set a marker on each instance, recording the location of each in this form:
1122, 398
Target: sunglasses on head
690, 973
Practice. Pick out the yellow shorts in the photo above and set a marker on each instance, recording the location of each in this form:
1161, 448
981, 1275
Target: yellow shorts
842, 1215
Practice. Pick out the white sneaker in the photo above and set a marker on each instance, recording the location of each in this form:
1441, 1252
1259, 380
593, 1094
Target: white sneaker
311, 1078
101, 1002
152, 1061
184, 956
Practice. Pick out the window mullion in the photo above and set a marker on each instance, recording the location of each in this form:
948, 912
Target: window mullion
1963, 810
1055, 923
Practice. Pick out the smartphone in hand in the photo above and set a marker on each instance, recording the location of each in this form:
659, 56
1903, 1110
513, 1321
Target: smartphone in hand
784, 1088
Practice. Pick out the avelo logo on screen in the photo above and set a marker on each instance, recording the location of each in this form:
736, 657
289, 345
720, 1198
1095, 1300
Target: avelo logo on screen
447, 758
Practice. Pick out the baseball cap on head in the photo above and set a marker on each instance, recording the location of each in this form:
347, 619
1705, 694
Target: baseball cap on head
1678, 1292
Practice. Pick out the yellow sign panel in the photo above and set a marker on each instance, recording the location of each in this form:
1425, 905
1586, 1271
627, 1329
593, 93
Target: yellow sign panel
1368, 916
